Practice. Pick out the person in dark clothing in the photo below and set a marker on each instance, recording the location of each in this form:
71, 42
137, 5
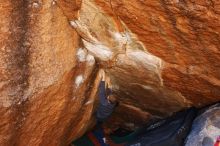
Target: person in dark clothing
107, 104
107, 101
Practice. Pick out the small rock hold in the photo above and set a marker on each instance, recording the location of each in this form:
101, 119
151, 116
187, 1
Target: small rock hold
53, 2
79, 80
90, 59
35, 5
73, 23
89, 102
81, 55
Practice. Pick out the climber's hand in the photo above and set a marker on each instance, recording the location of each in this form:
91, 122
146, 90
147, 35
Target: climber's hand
102, 73
108, 81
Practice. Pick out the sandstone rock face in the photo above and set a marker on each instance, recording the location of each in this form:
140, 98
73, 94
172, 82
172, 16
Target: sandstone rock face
162, 56
43, 84
185, 35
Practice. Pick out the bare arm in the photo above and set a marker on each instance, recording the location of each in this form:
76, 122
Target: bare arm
102, 91
103, 75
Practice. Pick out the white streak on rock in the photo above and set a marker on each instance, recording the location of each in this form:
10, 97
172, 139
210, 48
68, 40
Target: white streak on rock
147, 87
35, 4
145, 59
89, 102
98, 50
90, 59
73, 23
83, 31
79, 80
81, 54
120, 37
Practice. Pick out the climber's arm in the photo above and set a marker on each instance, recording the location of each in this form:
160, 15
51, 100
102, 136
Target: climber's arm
102, 91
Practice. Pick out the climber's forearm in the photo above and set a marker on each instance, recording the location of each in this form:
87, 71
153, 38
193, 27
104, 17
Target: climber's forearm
103, 75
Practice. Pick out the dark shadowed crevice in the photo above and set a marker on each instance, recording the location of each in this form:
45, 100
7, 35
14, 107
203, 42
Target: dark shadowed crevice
18, 60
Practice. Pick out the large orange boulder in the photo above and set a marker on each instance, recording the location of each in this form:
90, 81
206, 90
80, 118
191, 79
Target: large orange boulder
45, 87
162, 56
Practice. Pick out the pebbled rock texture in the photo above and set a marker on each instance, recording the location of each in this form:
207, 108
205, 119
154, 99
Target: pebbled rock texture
162, 56
43, 85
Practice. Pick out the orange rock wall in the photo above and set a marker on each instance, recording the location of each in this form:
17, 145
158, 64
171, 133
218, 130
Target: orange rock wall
162, 56
184, 34
41, 99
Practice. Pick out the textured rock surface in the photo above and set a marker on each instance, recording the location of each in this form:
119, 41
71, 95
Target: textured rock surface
162, 56
43, 86
205, 128
185, 35
165, 54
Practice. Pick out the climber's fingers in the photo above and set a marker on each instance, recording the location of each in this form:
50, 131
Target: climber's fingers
102, 74
108, 81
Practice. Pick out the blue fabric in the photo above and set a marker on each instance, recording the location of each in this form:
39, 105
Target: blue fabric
105, 108
99, 134
102, 94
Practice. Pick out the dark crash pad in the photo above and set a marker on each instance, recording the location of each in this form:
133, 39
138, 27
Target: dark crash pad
171, 131
168, 132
